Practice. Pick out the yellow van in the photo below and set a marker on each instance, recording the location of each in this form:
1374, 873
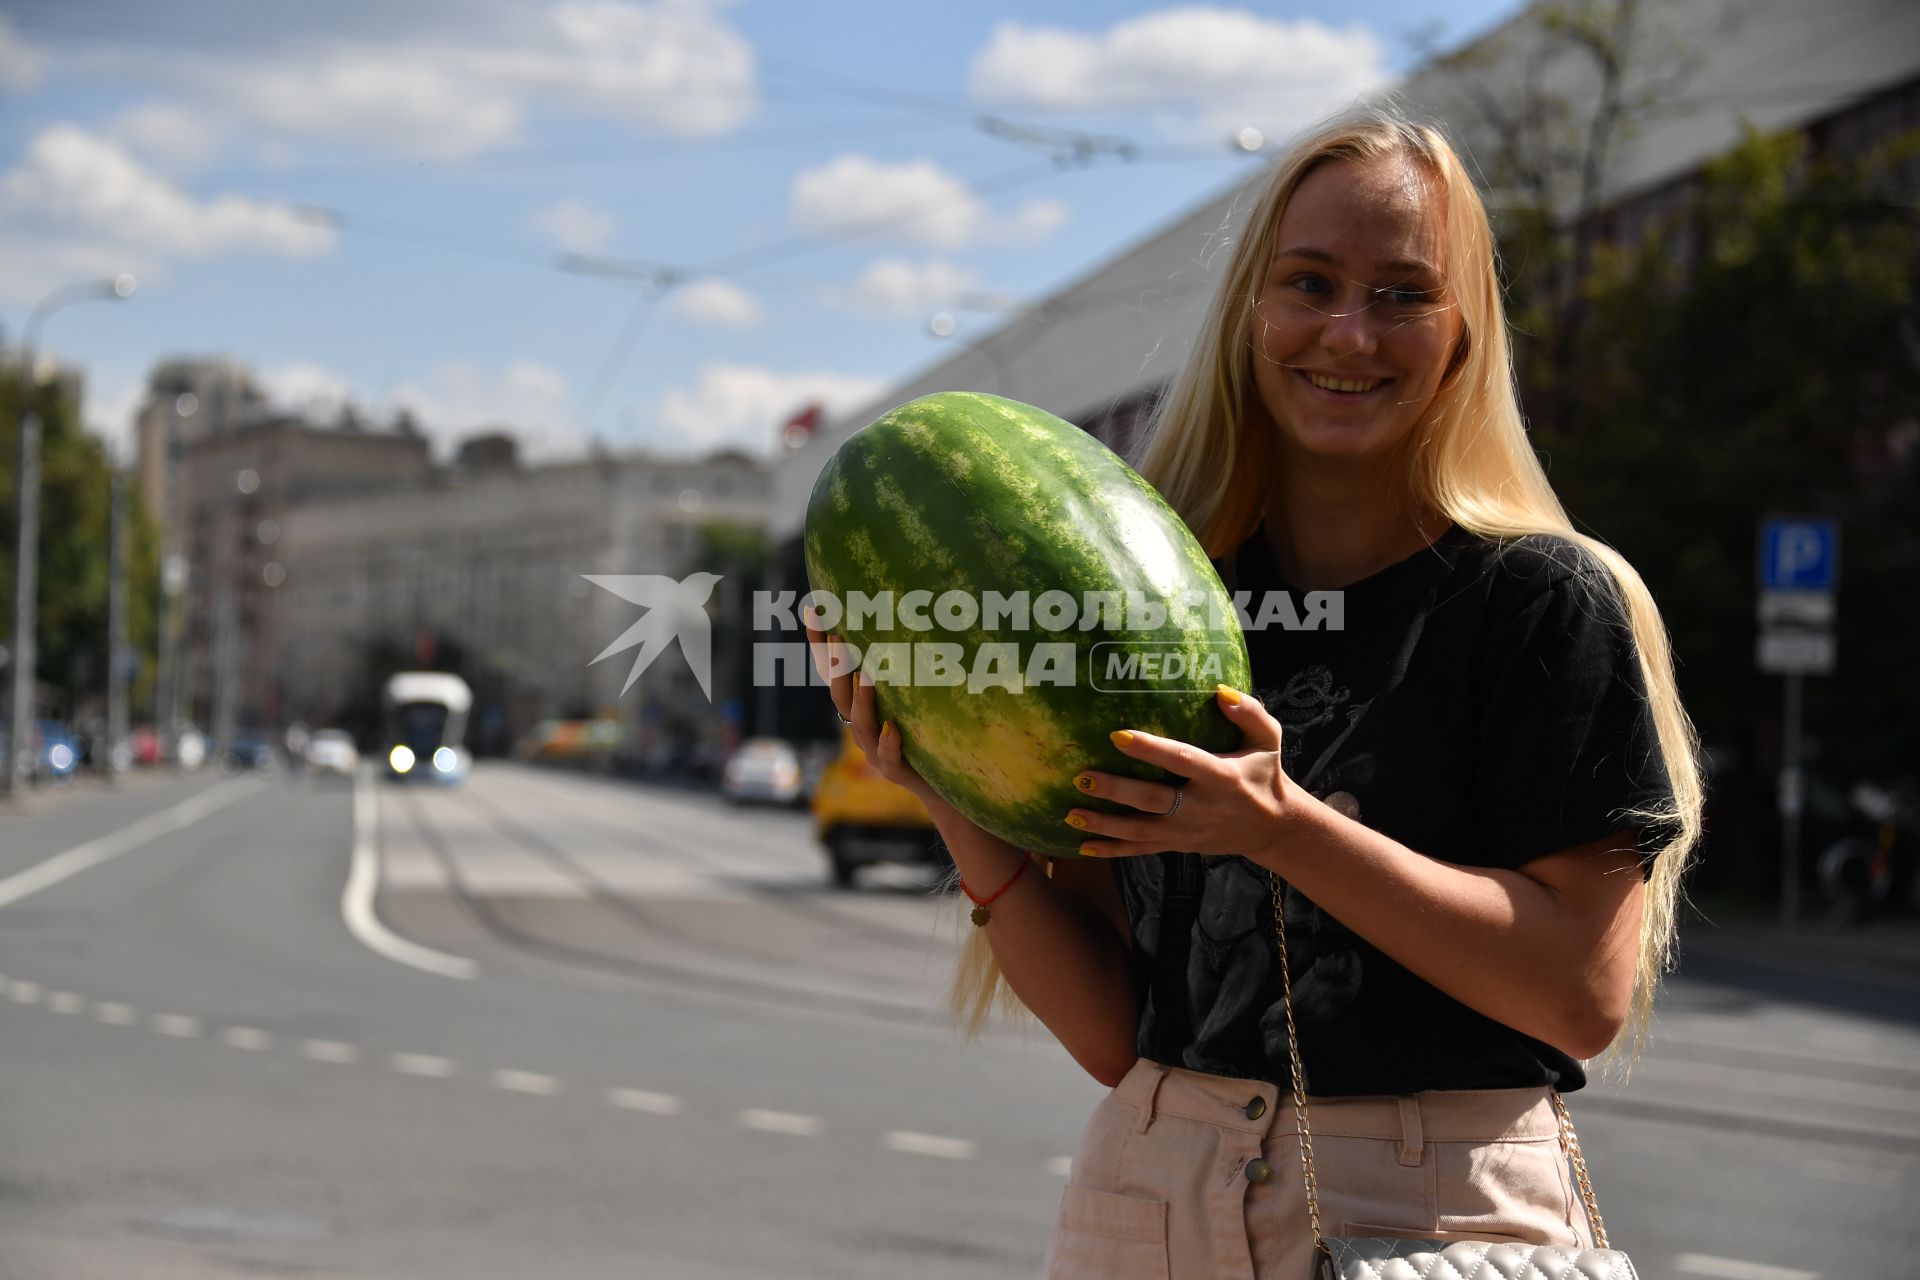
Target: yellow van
861, 817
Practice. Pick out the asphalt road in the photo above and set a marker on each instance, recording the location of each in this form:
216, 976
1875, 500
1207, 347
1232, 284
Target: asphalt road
547, 1026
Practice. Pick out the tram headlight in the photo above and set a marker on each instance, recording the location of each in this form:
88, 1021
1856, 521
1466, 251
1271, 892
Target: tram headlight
445, 760
401, 758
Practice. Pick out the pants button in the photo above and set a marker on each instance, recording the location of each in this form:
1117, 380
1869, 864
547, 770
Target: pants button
1256, 1107
1258, 1170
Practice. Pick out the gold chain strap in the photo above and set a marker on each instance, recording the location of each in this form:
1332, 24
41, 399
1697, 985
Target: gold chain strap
1569, 1140
1299, 1072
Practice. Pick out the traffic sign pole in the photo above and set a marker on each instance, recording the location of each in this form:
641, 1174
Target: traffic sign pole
1798, 570
1792, 800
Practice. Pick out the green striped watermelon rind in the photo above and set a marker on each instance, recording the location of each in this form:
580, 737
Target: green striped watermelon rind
1005, 760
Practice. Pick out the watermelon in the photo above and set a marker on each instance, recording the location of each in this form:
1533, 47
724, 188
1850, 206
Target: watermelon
960, 495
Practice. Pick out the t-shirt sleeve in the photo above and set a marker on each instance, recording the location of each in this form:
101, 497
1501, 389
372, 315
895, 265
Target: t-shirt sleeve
1567, 748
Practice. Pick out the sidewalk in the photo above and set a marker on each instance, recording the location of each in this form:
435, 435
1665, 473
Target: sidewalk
1883, 952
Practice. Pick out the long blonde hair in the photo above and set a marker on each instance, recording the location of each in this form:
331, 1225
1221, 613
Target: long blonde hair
1469, 458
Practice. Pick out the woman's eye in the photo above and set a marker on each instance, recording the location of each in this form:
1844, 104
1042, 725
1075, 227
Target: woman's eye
1409, 297
1309, 284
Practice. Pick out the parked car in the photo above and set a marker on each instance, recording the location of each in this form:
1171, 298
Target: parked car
862, 818
249, 752
332, 751
762, 769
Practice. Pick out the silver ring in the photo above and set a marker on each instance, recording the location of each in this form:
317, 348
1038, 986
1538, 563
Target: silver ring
1176, 804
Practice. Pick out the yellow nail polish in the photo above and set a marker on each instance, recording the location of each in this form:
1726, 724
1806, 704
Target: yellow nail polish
1122, 738
886, 731
1088, 851
1228, 696
1075, 820
1084, 782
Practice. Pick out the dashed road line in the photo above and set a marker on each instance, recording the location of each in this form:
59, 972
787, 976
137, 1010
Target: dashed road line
526, 1082
329, 1051
659, 1104
246, 1038
779, 1122
433, 1066
928, 1144
422, 1064
1705, 1264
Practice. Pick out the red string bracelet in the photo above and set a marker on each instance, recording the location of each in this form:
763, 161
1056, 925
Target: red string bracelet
980, 913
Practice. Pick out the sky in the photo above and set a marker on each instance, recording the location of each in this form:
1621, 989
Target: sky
660, 225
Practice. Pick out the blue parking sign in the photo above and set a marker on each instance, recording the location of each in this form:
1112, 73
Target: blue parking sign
1799, 554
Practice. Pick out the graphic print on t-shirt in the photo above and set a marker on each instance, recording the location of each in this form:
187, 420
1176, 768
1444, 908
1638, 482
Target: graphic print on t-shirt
1317, 714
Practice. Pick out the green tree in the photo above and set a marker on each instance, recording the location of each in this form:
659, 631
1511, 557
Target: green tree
71, 650
1760, 353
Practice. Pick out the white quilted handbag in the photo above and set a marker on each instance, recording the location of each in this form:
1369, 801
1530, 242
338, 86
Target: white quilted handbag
1389, 1258
1380, 1258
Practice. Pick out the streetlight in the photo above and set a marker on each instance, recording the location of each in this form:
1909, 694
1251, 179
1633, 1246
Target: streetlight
27, 504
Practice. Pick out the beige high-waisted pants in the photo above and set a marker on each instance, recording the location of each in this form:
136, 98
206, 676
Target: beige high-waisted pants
1169, 1185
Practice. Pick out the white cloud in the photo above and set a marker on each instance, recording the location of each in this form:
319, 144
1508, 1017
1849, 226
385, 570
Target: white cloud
718, 302
575, 225
300, 386
399, 101
918, 202
78, 204
528, 399
1209, 70
743, 406
455, 81
177, 138
895, 286
22, 67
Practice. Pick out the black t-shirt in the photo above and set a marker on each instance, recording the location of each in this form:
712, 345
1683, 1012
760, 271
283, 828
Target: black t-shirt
1519, 728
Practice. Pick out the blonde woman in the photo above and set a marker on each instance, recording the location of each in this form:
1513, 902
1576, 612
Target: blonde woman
1475, 799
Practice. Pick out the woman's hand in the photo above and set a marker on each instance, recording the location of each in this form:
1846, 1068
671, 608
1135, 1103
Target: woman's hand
852, 693
1230, 804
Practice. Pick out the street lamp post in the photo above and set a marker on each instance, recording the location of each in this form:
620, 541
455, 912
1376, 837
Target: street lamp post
27, 543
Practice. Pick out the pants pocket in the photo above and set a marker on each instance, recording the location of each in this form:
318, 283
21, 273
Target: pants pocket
1516, 1191
1103, 1236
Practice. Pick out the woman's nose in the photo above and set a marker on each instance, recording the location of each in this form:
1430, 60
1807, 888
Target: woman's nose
1351, 327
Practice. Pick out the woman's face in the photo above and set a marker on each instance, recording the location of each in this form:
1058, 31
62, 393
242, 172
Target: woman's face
1354, 323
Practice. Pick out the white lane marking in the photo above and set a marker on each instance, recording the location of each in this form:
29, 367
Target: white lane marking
44, 875
176, 1024
525, 1082
1061, 1166
329, 1051
928, 1144
246, 1038
422, 1064
67, 1002
660, 1104
1705, 1264
119, 1015
25, 992
779, 1122
356, 900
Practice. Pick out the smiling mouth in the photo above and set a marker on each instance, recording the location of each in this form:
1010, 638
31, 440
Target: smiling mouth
1349, 387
